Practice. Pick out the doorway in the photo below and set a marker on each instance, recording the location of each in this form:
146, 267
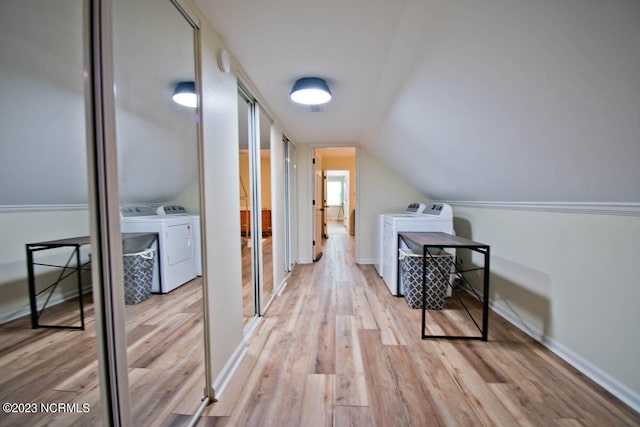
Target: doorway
337, 201
334, 189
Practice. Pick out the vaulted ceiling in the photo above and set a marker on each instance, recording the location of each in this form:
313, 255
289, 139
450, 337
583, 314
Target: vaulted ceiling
494, 100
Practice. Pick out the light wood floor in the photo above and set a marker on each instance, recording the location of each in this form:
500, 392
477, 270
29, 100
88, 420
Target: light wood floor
165, 353
336, 349
248, 304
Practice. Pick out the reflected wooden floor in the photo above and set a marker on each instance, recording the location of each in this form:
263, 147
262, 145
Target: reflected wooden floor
165, 354
336, 349
248, 306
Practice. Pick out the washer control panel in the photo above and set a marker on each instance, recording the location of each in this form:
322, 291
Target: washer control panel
172, 210
436, 209
134, 211
416, 208
442, 210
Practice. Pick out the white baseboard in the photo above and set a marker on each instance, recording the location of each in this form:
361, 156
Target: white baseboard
606, 381
281, 286
366, 261
55, 299
222, 380
612, 385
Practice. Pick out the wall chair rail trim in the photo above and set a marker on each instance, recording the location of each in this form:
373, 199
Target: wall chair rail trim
605, 208
42, 208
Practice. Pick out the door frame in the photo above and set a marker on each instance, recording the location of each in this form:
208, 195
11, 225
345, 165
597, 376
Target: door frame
312, 189
290, 203
317, 204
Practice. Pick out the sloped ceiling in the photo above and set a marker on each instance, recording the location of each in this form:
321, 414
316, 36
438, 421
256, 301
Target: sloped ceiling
42, 148
42, 132
492, 101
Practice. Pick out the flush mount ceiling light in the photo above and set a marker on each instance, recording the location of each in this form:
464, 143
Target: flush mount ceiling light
310, 91
185, 94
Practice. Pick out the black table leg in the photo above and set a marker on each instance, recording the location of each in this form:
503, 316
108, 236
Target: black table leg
485, 302
32, 289
79, 277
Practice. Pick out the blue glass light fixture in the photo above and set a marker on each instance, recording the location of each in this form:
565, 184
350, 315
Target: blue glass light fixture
185, 94
310, 91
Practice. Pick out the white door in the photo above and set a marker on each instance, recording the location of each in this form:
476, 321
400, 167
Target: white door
318, 204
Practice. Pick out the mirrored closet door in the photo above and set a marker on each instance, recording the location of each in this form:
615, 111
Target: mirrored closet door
156, 109
256, 228
47, 316
246, 191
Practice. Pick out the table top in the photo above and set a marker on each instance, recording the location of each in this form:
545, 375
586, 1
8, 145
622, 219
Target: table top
441, 240
82, 240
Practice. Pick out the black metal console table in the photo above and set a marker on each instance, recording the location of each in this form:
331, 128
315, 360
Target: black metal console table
69, 268
442, 241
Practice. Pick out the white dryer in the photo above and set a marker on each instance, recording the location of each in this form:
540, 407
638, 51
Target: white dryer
179, 210
175, 261
435, 217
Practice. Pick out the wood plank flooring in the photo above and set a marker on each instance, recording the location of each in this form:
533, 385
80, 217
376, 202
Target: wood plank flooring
165, 354
336, 349
248, 304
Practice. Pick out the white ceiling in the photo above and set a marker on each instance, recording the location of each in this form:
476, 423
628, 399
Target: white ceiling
277, 43
492, 100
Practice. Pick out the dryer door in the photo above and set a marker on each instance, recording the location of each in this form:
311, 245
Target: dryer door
179, 245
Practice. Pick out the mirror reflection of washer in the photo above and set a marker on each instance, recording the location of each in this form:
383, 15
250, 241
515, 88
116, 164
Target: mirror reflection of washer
167, 210
175, 245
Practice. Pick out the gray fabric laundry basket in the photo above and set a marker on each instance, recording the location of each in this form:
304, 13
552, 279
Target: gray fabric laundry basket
438, 268
138, 275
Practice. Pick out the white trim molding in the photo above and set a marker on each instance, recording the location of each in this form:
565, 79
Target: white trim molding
222, 380
42, 208
612, 385
597, 375
282, 285
607, 208
55, 299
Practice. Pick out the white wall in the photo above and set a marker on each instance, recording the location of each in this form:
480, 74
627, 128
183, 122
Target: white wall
42, 109
571, 280
277, 205
22, 227
380, 190
42, 132
219, 216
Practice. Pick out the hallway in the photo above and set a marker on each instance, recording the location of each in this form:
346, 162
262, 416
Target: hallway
335, 348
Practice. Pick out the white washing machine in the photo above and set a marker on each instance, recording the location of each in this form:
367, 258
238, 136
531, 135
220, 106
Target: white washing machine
175, 260
412, 209
435, 217
172, 210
